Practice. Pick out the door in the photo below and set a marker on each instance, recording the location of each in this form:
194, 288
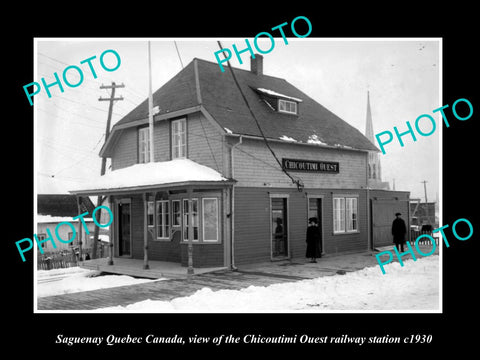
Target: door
124, 228
279, 223
315, 210
383, 214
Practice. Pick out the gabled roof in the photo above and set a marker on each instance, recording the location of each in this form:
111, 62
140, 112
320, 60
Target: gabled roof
202, 84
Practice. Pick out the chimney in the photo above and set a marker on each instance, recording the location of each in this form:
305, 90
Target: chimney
256, 65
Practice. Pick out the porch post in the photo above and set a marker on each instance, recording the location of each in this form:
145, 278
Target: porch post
190, 270
79, 230
145, 232
112, 232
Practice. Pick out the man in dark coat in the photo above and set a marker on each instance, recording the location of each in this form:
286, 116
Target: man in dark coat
313, 240
399, 230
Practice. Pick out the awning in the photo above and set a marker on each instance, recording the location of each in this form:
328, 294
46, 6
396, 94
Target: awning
143, 177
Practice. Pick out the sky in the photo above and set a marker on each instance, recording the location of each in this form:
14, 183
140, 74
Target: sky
402, 77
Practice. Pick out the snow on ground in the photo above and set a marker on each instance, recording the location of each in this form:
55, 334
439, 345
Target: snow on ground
76, 279
415, 286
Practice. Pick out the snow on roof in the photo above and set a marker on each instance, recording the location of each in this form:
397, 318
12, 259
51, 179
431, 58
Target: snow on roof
274, 93
57, 219
287, 138
153, 173
314, 139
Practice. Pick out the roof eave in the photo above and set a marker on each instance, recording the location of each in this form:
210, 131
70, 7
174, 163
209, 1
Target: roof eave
149, 188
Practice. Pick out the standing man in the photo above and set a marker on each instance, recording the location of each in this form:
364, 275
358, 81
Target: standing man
399, 230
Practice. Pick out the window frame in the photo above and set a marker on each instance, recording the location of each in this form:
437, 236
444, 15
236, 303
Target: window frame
174, 135
174, 223
216, 240
342, 223
287, 102
184, 226
143, 145
165, 216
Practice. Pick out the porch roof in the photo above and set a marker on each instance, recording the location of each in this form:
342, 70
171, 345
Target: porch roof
144, 177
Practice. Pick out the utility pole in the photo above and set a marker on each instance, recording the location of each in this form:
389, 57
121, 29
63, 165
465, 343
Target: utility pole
426, 201
100, 199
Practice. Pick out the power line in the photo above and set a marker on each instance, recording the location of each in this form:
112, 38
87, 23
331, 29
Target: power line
297, 182
178, 53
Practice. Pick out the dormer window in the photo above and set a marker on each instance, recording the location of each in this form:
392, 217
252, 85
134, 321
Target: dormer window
287, 106
279, 102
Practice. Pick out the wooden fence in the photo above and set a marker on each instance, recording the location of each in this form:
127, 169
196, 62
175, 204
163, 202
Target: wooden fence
66, 258
414, 234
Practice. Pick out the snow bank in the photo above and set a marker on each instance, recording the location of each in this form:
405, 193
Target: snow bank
57, 219
415, 286
154, 173
76, 279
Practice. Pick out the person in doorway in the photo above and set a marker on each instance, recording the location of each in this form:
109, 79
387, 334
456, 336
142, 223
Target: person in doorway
399, 230
278, 236
313, 240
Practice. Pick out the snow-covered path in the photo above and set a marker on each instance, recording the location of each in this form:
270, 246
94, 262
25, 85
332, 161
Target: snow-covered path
413, 287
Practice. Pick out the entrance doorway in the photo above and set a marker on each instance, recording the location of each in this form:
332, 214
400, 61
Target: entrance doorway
124, 228
315, 210
279, 228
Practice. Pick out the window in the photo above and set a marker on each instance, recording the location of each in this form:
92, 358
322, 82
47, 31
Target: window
210, 219
351, 214
287, 106
338, 215
345, 214
186, 217
143, 145
179, 139
163, 220
176, 213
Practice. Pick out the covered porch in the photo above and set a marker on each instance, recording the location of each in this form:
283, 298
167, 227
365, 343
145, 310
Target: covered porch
170, 219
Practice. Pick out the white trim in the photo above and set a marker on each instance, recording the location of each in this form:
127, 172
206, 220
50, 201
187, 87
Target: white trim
345, 197
288, 102
198, 220
181, 145
203, 220
165, 224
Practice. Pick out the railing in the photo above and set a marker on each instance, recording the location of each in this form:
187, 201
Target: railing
414, 234
67, 258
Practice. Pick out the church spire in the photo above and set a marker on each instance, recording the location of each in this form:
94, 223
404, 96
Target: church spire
369, 124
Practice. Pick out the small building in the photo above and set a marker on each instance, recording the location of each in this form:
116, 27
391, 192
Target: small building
423, 214
226, 188
53, 209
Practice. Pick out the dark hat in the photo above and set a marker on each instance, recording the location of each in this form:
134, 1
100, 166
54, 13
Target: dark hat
398, 214
313, 219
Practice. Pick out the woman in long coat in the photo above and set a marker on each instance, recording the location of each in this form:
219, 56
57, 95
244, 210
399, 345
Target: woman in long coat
313, 240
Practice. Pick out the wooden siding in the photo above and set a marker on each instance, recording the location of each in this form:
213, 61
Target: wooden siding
204, 255
255, 166
252, 223
205, 144
384, 204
